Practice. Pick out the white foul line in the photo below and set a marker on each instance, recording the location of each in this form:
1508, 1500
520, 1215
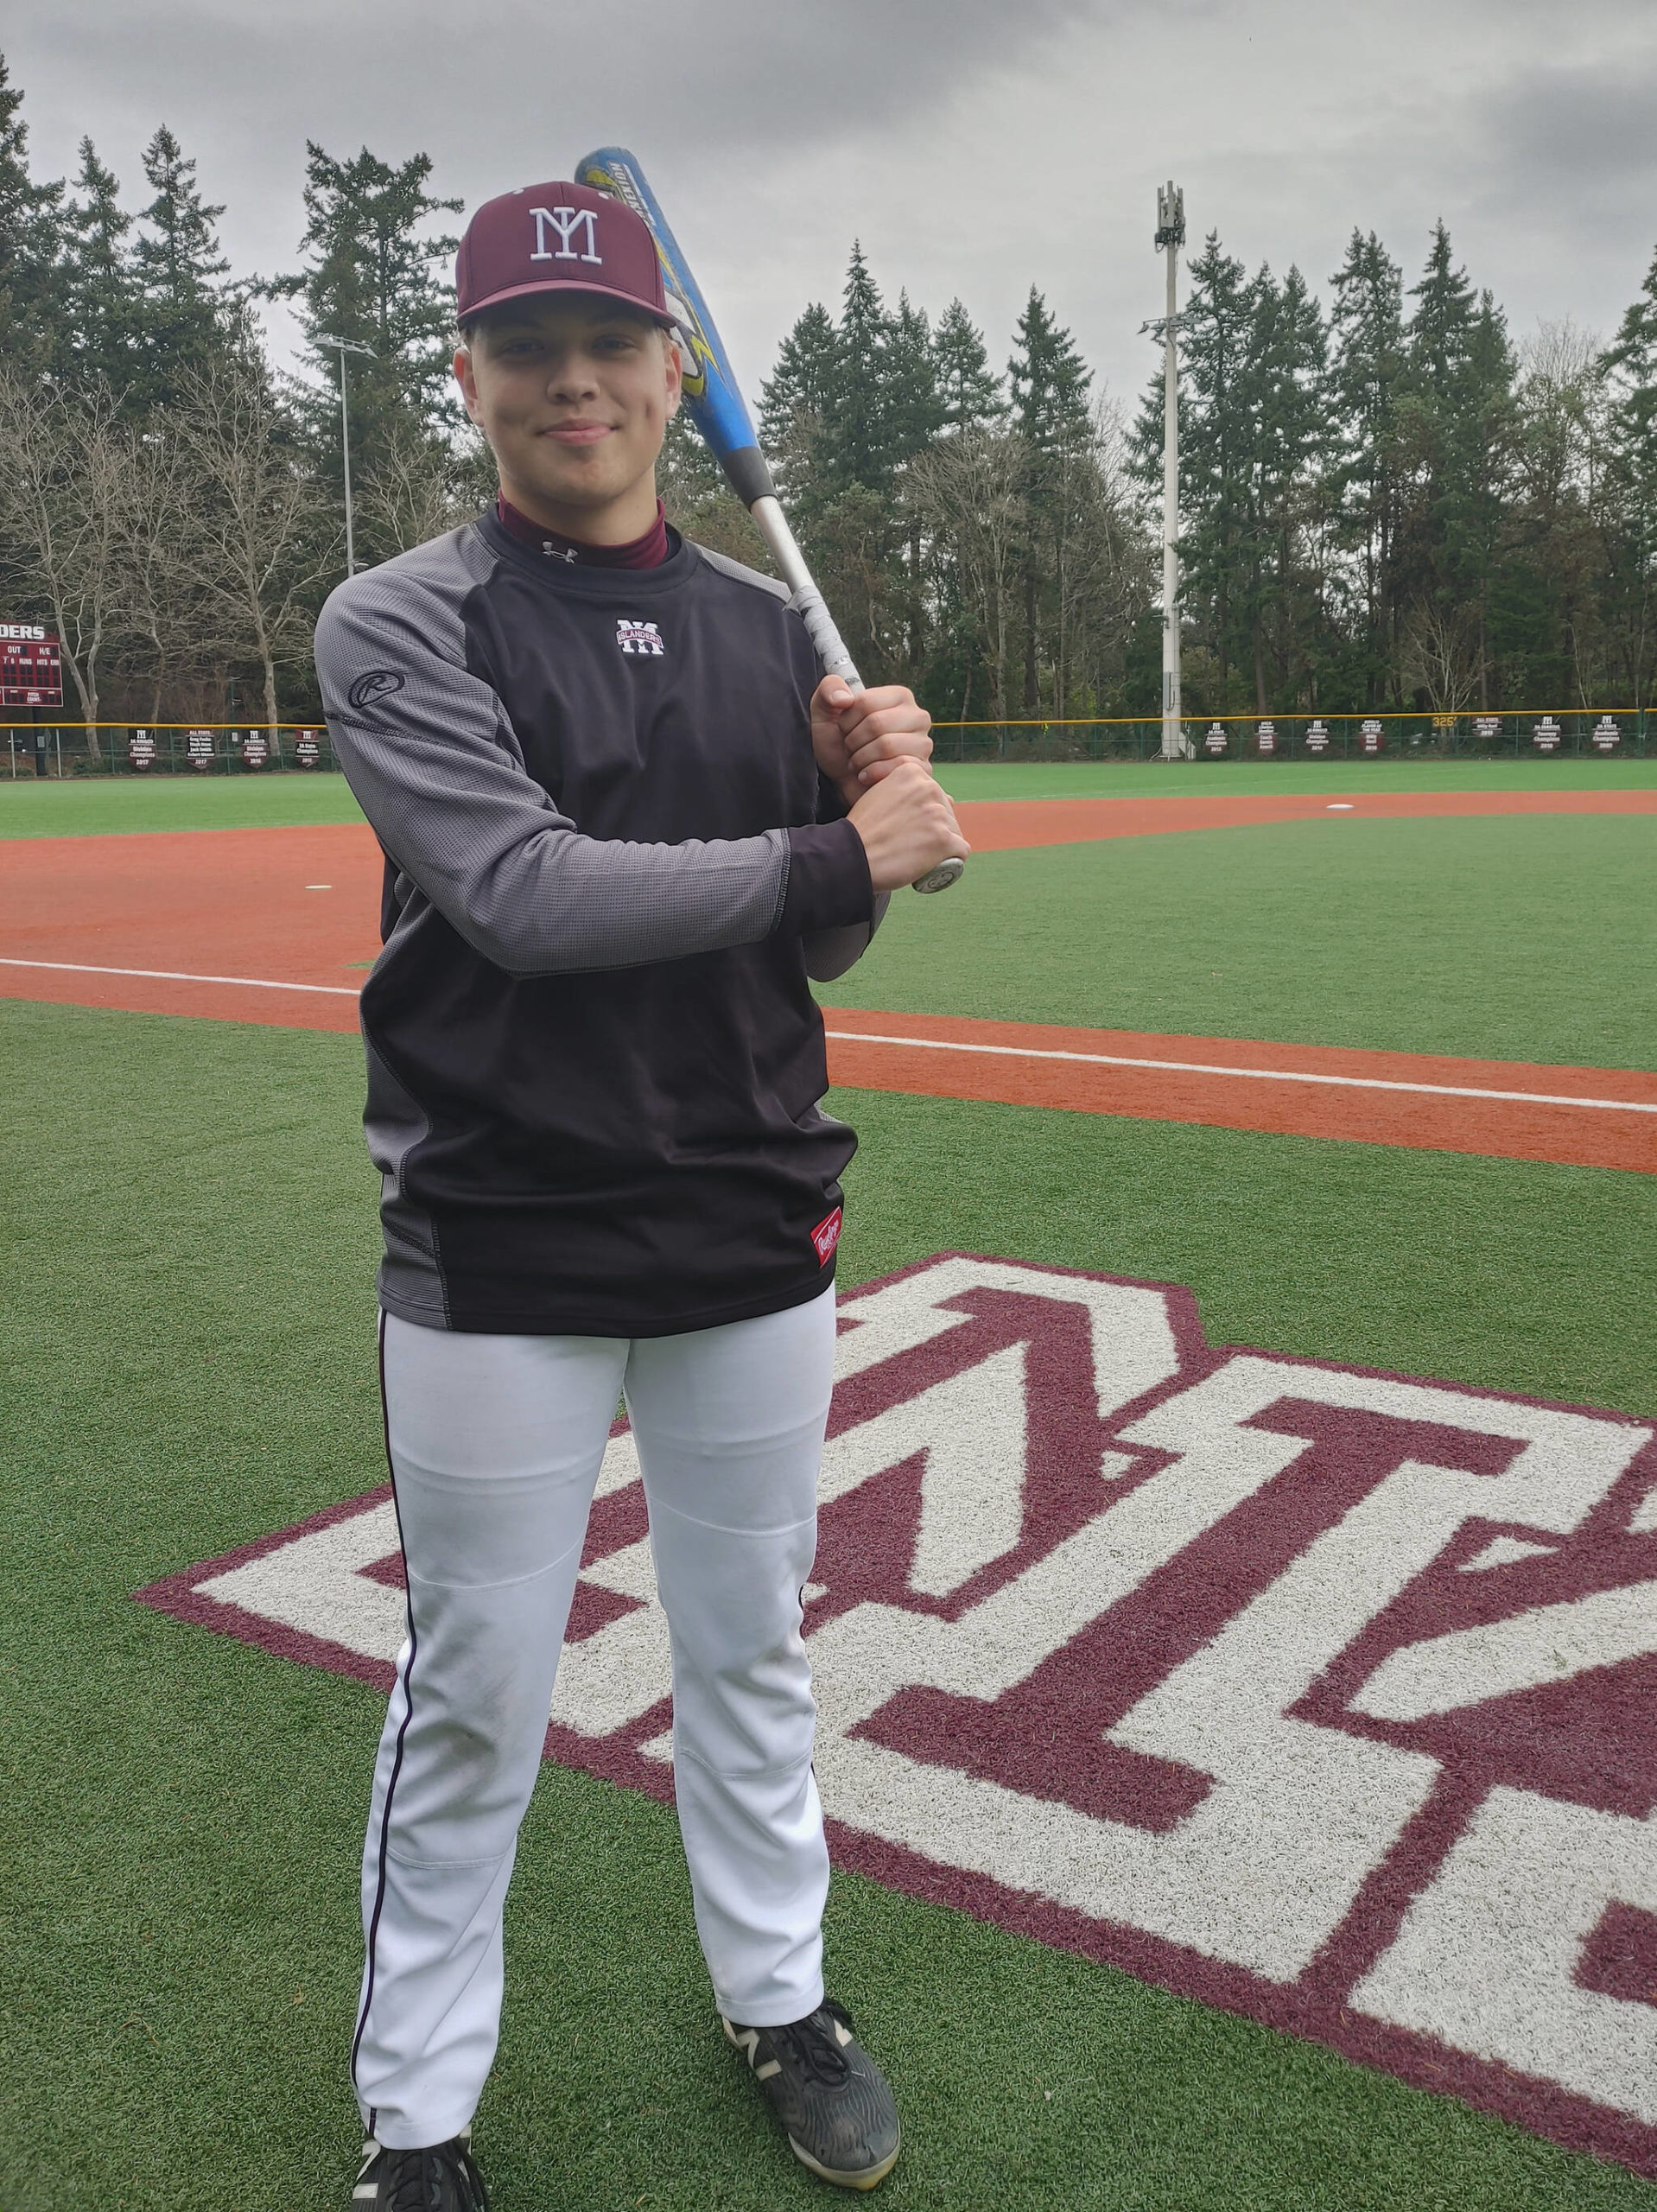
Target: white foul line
1256, 1074
172, 975
943, 1044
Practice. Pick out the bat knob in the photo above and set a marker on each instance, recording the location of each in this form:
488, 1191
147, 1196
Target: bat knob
941, 877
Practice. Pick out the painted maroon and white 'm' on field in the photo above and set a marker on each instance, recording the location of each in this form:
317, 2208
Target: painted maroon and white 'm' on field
1322, 1694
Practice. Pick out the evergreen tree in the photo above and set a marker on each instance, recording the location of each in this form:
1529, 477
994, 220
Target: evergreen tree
1484, 453
1048, 382
31, 243
801, 385
1628, 498
795, 403
1217, 446
1049, 379
1630, 364
1375, 504
177, 266
856, 529
914, 410
376, 278
1364, 485
969, 392
1441, 328
1457, 416
914, 405
1285, 377
859, 440
104, 307
844, 408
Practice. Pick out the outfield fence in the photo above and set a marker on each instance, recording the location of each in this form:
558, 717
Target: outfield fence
1539, 733
165, 749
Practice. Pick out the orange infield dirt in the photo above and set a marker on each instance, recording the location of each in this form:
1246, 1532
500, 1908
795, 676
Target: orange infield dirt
280, 925
1003, 825
1510, 1108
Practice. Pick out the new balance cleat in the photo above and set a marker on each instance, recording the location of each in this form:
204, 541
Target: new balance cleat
832, 2098
442, 2178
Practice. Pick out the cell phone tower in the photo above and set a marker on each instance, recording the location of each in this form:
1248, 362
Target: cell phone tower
1171, 236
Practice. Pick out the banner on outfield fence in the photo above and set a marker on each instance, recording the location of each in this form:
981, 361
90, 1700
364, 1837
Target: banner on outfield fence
1319, 1694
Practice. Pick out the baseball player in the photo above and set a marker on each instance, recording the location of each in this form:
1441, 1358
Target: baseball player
626, 818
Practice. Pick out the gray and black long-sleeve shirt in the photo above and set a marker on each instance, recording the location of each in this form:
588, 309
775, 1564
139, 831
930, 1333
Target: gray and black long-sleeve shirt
594, 1062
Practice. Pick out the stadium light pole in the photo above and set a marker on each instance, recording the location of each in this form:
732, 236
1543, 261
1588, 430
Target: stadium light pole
1171, 236
342, 346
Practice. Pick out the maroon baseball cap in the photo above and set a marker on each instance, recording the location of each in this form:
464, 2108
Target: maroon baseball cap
558, 238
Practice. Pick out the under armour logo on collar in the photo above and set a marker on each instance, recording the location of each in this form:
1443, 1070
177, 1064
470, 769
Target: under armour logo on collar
639, 637
556, 552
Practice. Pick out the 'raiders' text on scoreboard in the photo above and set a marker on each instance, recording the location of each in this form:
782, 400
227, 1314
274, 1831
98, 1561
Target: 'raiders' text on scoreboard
31, 671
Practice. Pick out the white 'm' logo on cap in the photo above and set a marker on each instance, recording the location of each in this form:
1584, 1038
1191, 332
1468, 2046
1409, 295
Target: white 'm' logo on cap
567, 222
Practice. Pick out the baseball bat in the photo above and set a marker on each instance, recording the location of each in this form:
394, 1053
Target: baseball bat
719, 411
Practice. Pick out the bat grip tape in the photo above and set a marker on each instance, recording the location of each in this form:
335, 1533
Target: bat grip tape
749, 473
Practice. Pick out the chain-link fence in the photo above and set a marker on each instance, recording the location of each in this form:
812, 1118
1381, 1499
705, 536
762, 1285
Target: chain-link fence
164, 749
243, 748
1539, 733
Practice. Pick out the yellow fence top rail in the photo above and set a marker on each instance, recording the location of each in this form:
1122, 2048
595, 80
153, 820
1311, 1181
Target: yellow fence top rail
1287, 714
74, 722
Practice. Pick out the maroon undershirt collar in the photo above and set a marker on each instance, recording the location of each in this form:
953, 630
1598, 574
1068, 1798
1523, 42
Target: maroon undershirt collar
646, 552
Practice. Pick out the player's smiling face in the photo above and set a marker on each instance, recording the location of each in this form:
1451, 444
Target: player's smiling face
574, 394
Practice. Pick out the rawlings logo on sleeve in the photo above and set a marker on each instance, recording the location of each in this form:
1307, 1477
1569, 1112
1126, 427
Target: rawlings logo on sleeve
379, 683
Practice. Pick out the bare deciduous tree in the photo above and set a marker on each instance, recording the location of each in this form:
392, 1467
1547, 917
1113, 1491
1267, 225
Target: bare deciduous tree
1099, 559
969, 489
1441, 652
63, 463
160, 600
422, 486
258, 536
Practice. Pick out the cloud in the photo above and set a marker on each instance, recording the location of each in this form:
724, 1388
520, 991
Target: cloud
1561, 139
724, 78
975, 148
719, 100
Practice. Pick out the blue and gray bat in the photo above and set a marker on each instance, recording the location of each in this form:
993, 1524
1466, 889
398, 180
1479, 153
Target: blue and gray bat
719, 411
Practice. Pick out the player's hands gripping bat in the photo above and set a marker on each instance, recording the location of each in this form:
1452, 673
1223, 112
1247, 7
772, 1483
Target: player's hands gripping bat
719, 411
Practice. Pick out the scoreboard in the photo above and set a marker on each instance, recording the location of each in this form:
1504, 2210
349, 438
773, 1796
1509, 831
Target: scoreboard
31, 673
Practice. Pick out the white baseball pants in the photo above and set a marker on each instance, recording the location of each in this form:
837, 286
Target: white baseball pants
495, 1444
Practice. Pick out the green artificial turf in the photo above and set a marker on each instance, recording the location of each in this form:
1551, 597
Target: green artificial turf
1519, 937
1257, 779
188, 1251
103, 806
109, 805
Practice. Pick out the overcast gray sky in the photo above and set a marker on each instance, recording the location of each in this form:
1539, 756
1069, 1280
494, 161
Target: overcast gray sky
975, 146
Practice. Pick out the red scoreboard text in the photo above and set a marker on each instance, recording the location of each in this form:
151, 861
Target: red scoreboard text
31, 673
